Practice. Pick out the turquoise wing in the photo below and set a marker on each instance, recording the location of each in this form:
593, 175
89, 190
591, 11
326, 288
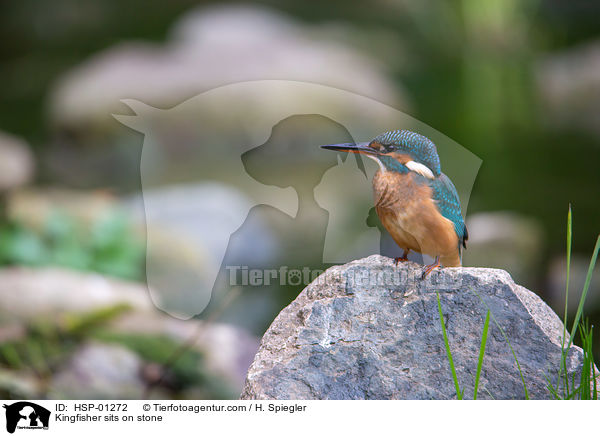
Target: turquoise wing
448, 203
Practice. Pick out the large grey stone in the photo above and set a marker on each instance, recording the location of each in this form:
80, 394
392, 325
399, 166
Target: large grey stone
371, 330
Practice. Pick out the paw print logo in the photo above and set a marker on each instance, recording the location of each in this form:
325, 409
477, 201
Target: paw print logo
294, 277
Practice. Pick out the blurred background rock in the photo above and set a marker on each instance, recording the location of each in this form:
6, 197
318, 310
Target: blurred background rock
514, 82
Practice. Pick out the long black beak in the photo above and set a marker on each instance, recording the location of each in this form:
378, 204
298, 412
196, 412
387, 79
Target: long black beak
351, 147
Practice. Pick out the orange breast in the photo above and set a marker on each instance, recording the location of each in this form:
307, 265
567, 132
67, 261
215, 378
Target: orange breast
407, 211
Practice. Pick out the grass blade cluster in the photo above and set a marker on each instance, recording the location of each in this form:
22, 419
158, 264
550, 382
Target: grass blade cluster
486, 324
448, 352
565, 388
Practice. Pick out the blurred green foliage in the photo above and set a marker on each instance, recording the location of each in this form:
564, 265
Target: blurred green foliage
467, 67
188, 370
108, 247
46, 344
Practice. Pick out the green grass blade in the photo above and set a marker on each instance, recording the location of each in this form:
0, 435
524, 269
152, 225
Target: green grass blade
450, 360
551, 388
586, 286
595, 391
594, 381
588, 372
488, 392
587, 385
569, 245
584, 388
486, 324
509, 345
569, 242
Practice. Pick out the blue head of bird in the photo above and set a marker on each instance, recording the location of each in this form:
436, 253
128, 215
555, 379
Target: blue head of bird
400, 151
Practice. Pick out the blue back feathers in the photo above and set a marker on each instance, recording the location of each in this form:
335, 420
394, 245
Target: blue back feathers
419, 147
447, 202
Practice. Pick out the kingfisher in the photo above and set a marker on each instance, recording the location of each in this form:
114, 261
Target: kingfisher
416, 203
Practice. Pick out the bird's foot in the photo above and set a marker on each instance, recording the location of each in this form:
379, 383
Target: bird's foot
430, 268
400, 259
403, 258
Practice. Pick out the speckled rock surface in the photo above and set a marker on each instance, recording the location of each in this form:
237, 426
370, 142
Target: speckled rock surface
371, 330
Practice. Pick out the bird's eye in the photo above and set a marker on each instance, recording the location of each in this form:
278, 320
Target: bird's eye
377, 146
382, 148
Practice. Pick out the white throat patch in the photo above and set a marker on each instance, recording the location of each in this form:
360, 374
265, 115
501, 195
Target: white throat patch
419, 168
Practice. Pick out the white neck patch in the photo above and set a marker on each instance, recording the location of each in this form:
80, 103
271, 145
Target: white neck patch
419, 168
376, 159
